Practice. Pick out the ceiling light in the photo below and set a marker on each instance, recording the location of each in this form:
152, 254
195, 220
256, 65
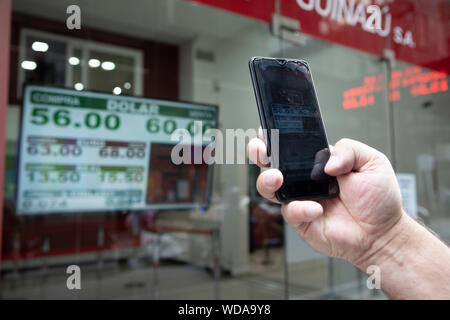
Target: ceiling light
78, 86
94, 63
108, 65
74, 61
39, 46
127, 85
117, 90
28, 65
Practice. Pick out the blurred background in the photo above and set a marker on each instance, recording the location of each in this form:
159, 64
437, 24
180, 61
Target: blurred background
199, 231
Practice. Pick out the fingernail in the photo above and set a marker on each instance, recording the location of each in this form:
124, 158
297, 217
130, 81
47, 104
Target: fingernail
333, 162
270, 181
313, 210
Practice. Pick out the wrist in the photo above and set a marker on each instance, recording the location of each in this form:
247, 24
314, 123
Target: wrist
386, 248
412, 263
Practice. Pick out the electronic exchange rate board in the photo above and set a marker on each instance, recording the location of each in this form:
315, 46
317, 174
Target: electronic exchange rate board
82, 151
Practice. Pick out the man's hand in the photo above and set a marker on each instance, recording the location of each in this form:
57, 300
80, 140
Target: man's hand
365, 224
352, 226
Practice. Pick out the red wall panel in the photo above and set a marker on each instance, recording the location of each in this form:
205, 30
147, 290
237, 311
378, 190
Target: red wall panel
5, 25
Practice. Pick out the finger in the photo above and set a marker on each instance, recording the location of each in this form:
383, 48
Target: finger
257, 152
298, 212
349, 155
268, 183
261, 134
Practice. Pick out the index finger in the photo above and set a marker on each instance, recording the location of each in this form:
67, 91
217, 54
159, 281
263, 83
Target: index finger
257, 153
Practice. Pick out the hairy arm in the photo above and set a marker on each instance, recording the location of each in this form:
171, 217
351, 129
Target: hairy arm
414, 263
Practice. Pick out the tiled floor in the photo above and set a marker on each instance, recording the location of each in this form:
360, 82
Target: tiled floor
178, 281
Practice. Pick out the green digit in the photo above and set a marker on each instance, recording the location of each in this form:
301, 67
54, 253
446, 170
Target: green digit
169, 126
193, 128
44, 177
40, 116
30, 175
112, 122
129, 177
92, 120
207, 126
62, 176
74, 177
112, 177
61, 118
153, 125
138, 177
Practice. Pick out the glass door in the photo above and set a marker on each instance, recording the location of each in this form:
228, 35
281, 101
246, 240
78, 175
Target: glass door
351, 92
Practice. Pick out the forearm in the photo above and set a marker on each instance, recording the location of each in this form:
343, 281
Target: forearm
414, 264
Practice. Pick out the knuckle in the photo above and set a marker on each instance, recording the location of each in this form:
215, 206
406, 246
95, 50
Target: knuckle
383, 157
344, 142
251, 143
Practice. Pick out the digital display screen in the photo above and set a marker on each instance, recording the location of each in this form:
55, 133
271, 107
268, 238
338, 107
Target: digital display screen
290, 105
82, 151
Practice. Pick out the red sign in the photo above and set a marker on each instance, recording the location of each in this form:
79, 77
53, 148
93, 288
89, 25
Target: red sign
411, 80
418, 31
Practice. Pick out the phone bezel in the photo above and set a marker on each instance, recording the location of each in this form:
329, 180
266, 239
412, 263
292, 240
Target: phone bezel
262, 117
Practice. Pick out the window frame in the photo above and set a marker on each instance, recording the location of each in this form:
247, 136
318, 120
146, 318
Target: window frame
85, 46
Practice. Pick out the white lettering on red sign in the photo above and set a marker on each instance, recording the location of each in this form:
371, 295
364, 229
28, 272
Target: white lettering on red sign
378, 20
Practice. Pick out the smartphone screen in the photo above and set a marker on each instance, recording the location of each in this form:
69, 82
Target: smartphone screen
287, 101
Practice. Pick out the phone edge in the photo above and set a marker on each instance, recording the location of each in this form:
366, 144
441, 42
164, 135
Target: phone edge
264, 126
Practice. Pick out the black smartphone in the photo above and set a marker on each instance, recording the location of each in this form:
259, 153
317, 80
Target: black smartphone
287, 102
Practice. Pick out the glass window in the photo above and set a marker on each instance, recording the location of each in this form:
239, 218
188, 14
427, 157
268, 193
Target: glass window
142, 69
62, 61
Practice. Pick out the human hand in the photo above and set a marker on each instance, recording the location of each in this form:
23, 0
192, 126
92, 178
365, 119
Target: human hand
356, 224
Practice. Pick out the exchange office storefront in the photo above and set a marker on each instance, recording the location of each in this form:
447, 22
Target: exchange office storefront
387, 87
